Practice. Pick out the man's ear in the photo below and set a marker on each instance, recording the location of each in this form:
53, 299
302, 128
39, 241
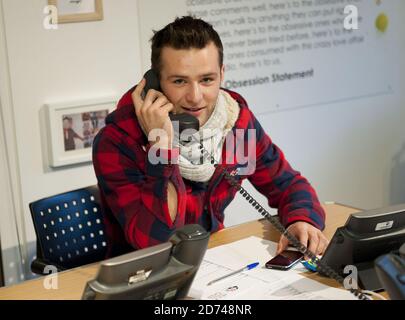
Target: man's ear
222, 73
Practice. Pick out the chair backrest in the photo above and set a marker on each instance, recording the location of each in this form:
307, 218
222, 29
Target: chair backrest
69, 228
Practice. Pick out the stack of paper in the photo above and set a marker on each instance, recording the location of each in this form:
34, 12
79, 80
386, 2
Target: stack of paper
260, 283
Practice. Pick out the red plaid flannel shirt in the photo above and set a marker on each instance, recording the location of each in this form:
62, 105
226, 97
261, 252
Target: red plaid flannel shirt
134, 191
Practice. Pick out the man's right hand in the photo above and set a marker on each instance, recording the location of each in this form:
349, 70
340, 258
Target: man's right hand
153, 115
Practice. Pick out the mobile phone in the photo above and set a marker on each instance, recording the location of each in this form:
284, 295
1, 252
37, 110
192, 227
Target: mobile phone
285, 260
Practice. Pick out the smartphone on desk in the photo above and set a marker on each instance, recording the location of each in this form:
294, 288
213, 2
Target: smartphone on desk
285, 260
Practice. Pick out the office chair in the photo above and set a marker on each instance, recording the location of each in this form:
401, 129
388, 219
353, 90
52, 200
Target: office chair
69, 229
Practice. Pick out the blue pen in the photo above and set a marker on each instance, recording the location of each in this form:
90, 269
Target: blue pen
248, 267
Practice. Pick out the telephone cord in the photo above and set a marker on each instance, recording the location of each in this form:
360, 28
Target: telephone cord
322, 267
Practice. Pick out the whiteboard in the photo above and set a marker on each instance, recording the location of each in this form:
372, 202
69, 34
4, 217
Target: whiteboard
286, 54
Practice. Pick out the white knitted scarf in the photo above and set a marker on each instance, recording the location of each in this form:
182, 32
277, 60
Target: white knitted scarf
212, 135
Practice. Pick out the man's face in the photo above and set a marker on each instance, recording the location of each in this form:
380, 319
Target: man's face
191, 79
66, 124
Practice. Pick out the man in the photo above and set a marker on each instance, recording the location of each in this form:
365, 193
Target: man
145, 202
69, 135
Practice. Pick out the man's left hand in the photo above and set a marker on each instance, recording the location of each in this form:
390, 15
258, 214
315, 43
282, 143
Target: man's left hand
308, 235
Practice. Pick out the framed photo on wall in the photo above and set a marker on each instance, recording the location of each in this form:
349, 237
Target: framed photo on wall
78, 10
72, 128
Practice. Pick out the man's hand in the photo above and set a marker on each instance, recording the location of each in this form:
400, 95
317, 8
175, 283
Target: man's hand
153, 113
308, 235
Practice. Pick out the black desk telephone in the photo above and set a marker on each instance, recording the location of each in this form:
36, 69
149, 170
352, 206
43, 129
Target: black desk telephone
187, 121
165, 271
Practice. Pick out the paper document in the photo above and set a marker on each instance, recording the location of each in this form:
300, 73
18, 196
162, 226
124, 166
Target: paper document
257, 284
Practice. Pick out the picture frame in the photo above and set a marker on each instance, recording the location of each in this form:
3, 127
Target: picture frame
72, 127
78, 10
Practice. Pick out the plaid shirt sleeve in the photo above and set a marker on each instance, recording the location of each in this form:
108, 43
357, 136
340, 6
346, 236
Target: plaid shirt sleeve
135, 194
285, 188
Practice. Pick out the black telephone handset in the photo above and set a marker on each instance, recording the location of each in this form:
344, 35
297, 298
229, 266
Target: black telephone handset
185, 121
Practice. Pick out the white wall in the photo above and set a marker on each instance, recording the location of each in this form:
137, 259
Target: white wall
353, 154
77, 61
347, 150
8, 227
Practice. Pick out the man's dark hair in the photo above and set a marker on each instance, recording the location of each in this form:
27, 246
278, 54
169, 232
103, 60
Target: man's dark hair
184, 33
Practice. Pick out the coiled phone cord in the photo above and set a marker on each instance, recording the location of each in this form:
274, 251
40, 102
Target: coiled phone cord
325, 269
